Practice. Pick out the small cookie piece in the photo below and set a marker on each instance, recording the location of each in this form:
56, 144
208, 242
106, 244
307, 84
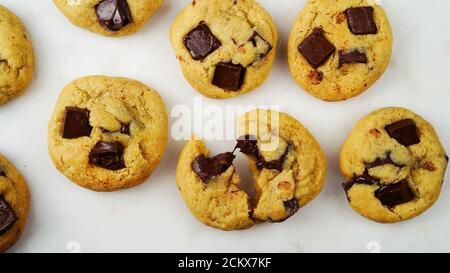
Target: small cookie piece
394, 164
288, 167
109, 17
107, 133
14, 204
16, 56
225, 47
348, 43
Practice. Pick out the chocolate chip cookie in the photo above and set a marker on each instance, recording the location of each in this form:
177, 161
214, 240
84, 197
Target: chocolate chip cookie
338, 49
14, 204
16, 56
107, 133
288, 168
394, 164
225, 47
109, 17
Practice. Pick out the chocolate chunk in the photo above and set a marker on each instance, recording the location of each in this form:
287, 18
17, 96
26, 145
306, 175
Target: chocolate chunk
352, 56
316, 48
113, 14
360, 20
383, 161
206, 168
125, 129
76, 123
291, 207
395, 194
107, 155
259, 42
365, 179
229, 76
200, 42
7, 216
2, 173
315, 77
249, 145
404, 131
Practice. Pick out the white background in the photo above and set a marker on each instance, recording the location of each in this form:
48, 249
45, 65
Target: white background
152, 217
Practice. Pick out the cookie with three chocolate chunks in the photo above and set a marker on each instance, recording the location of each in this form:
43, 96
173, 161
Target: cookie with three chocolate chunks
110, 139
333, 59
385, 163
109, 17
14, 204
225, 47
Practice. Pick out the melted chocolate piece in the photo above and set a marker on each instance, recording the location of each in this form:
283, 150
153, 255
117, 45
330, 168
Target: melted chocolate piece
249, 145
256, 39
383, 161
365, 179
229, 76
2, 173
76, 123
201, 42
207, 168
316, 48
107, 155
395, 194
125, 129
352, 56
404, 131
113, 14
360, 20
291, 207
7, 216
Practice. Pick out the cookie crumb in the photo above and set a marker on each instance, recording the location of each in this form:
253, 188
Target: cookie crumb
375, 132
429, 166
340, 17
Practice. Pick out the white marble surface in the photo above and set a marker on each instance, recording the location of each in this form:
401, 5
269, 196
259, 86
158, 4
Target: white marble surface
153, 217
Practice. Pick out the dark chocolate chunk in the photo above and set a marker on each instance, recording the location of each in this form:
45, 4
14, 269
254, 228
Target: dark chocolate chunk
352, 56
2, 172
316, 48
404, 131
7, 216
201, 42
383, 161
446, 157
206, 168
229, 76
259, 42
113, 14
360, 20
249, 145
291, 207
107, 155
365, 179
395, 194
76, 123
125, 129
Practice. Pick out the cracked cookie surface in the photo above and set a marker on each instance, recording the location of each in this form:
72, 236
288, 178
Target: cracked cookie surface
107, 133
288, 167
14, 204
338, 49
225, 47
394, 164
16, 56
109, 17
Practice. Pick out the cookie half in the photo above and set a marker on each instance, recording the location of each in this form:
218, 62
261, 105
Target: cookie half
338, 49
109, 17
14, 204
288, 167
107, 133
394, 164
225, 47
16, 56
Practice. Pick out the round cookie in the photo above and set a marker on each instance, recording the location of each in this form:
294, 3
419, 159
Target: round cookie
107, 133
287, 163
16, 56
225, 47
338, 49
14, 204
109, 17
394, 164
